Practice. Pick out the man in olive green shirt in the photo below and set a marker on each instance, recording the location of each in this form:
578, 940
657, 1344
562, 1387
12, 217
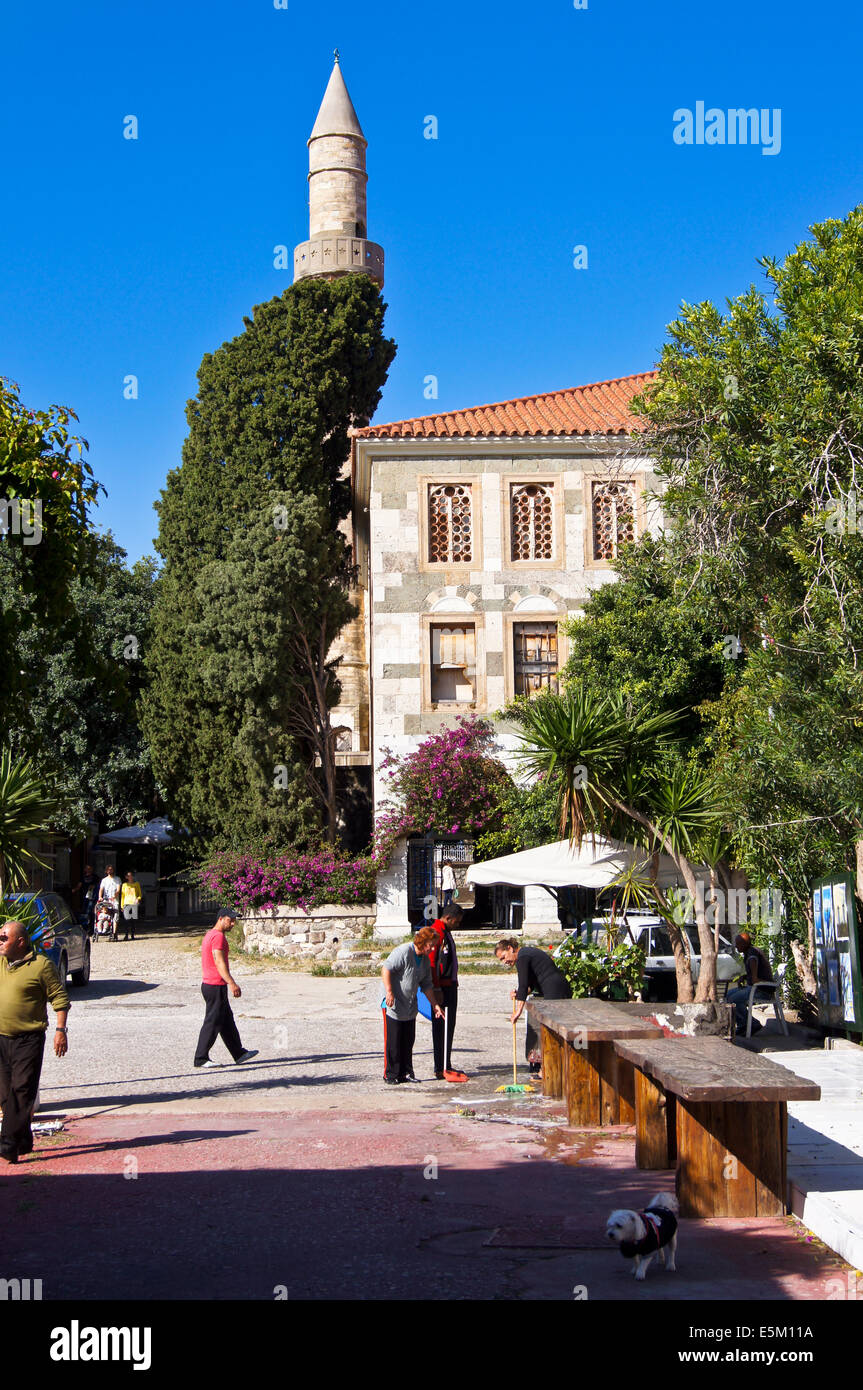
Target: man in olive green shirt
27, 983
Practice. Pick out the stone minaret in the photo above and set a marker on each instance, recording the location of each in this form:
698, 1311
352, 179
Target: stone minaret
337, 242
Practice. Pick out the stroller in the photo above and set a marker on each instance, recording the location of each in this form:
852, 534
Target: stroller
107, 915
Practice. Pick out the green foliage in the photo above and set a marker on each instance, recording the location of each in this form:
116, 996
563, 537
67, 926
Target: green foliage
527, 816
47, 544
756, 426
643, 639
603, 971
25, 810
81, 684
257, 574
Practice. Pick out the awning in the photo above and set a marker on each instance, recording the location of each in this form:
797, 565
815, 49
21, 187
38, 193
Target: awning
561, 865
155, 832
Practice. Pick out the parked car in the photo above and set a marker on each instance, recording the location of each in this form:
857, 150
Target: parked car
65, 942
650, 933
660, 979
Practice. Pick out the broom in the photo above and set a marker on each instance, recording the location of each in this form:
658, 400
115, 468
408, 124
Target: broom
515, 1088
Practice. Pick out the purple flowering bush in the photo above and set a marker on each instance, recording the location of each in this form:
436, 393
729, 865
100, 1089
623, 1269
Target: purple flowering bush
248, 882
453, 783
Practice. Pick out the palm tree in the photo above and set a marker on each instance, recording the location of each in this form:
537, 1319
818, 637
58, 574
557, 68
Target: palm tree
621, 776
25, 810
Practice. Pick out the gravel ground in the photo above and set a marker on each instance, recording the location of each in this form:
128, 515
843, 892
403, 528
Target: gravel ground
133, 1029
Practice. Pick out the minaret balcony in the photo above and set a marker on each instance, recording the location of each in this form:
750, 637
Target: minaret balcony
338, 255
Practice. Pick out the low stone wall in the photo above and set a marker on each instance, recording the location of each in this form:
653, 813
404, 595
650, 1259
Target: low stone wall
326, 932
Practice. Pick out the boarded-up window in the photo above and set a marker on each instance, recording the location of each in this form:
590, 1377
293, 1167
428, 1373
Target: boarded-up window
613, 518
534, 656
531, 514
450, 524
453, 663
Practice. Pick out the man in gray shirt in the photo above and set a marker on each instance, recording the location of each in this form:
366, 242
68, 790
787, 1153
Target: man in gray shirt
405, 971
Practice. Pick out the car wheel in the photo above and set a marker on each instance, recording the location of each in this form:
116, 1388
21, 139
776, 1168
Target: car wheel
63, 969
82, 976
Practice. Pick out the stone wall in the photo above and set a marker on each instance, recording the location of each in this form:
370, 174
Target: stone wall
325, 933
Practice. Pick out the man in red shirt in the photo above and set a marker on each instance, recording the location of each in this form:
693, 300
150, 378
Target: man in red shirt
216, 978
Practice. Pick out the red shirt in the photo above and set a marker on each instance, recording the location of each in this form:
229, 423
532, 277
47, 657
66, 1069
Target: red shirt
215, 940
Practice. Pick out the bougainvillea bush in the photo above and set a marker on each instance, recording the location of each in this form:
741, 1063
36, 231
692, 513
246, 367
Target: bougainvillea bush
453, 784
250, 882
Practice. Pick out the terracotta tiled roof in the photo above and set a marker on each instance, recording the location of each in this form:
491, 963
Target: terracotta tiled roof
601, 408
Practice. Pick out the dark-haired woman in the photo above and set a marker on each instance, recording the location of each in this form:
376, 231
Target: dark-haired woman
537, 974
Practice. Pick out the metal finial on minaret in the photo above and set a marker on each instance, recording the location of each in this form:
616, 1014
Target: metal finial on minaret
336, 54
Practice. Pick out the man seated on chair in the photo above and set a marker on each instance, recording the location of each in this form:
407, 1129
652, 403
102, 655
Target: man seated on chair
757, 970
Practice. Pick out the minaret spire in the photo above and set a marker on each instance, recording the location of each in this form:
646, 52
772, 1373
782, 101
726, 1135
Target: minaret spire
337, 242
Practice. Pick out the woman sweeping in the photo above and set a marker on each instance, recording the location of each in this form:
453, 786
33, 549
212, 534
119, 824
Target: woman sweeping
537, 974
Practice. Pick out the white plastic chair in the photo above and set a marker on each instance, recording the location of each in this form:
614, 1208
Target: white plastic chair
776, 988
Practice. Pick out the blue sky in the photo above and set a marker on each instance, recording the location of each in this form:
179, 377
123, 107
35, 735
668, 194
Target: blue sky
555, 130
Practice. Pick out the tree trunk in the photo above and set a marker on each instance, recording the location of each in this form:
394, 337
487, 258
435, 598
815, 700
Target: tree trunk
682, 963
804, 961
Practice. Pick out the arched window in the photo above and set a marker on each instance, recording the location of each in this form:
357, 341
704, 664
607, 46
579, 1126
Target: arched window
450, 524
613, 518
532, 528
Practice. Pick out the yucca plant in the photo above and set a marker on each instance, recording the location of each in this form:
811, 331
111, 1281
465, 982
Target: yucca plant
620, 777
25, 811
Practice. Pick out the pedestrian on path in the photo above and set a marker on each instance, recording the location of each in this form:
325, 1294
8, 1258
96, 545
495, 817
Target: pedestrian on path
28, 983
130, 903
89, 890
443, 960
448, 884
537, 974
216, 976
405, 972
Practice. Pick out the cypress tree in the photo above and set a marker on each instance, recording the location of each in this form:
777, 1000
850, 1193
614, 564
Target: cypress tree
257, 574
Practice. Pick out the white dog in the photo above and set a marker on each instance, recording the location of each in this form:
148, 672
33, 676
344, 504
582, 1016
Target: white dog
640, 1234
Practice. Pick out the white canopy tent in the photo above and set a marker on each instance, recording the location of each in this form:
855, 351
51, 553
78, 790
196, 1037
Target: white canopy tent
561, 865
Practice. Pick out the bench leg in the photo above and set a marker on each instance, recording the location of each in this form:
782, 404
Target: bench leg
732, 1158
552, 1064
655, 1125
616, 1086
582, 1086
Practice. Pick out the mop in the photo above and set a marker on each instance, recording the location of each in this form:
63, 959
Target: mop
515, 1088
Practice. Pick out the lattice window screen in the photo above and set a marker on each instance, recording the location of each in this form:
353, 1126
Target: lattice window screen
532, 529
613, 518
450, 539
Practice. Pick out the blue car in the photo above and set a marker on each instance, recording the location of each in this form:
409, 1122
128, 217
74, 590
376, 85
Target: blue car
62, 939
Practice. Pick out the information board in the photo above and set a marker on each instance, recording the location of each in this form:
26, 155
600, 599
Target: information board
837, 952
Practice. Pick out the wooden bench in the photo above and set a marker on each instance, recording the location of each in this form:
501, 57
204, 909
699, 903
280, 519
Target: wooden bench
720, 1114
579, 1061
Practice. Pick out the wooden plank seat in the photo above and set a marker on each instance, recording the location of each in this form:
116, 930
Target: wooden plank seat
579, 1061
720, 1114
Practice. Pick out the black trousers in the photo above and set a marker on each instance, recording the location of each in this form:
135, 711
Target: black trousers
218, 1023
20, 1069
443, 1056
532, 1043
399, 1035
